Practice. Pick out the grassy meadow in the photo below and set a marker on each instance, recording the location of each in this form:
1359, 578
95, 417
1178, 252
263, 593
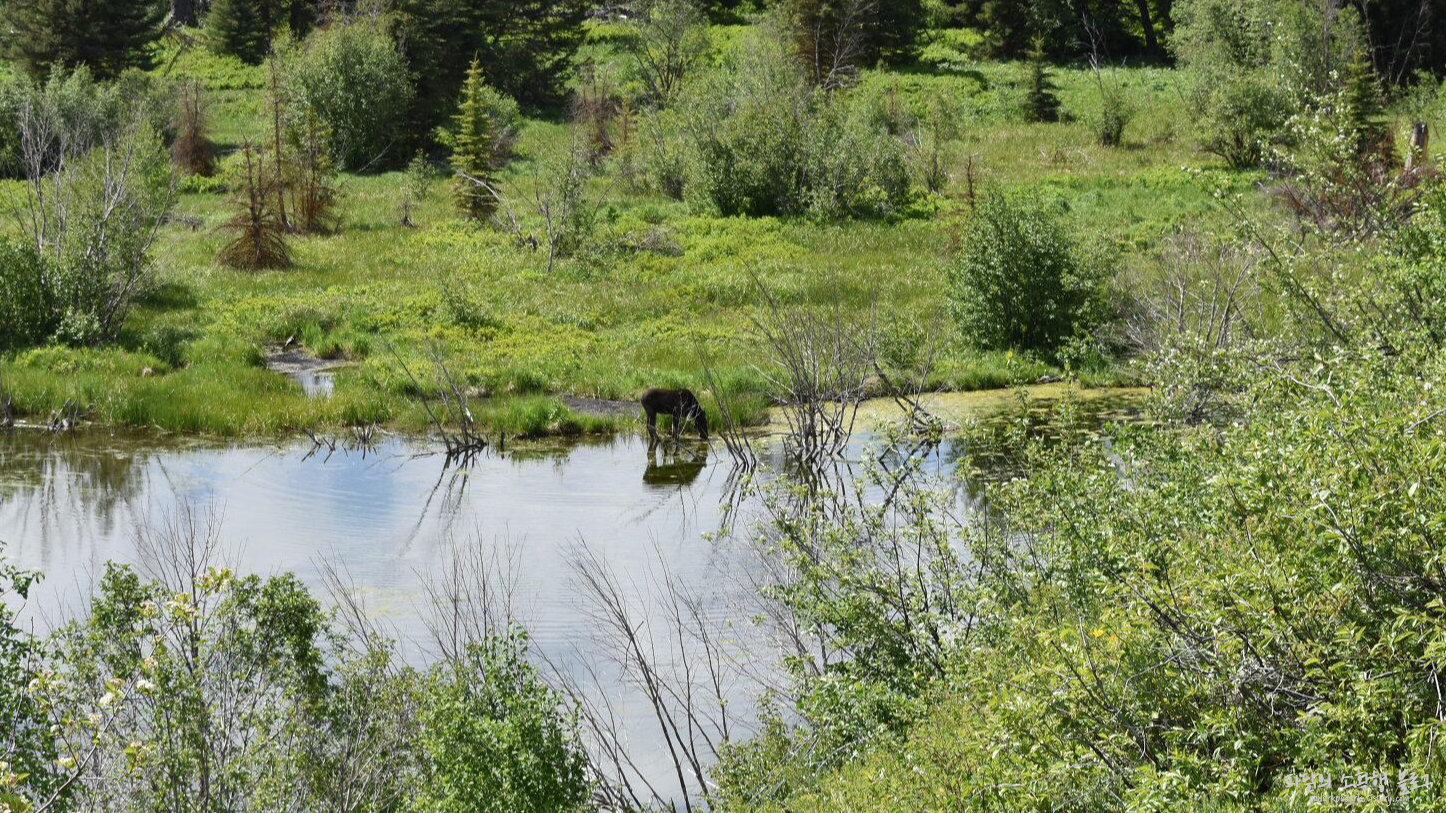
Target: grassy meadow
660, 291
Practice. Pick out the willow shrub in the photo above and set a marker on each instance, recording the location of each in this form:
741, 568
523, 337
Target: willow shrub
1023, 281
1180, 620
354, 78
759, 140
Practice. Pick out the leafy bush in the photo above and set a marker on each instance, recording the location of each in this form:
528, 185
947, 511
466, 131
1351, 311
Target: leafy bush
853, 168
746, 131
1258, 63
1112, 112
353, 77
190, 687
493, 738
29, 314
29, 756
100, 193
72, 103
761, 141
1021, 281
1243, 114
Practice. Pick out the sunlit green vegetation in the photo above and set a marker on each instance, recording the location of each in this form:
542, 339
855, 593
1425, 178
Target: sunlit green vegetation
659, 288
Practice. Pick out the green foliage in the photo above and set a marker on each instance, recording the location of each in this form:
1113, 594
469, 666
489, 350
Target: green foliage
1257, 64
185, 685
853, 168
1040, 102
760, 141
245, 28
525, 48
833, 39
29, 313
310, 175
668, 42
1365, 113
73, 108
1110, 117
107, 36
354, 79
746, 134
416, 183
1021, 280
204, 690
1068, 29
93, 222
1245, 114
474, 140
260, 238
29, 753
494, 737
235, 28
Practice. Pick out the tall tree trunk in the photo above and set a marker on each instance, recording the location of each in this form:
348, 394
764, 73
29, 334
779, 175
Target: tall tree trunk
1147, 24
183, 12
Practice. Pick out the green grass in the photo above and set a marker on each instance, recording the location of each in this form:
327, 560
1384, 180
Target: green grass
617, 319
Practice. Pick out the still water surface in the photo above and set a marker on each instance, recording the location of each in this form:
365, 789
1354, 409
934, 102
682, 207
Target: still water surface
389, 517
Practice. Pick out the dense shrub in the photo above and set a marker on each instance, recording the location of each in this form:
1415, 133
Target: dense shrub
1243, 115
1258, 63
353, 77
190, 687
66, 102
760, 141
1022, 281
29, 314
29, 754
101, 187
494, 738
1178, 620
853, 167
746, 132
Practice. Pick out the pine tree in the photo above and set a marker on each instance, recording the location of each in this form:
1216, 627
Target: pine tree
108, 36
526, 47
237, 27
1040, 103
473, 148
1365, 111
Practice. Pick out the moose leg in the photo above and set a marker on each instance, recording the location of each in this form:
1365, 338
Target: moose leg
677, 423
650, 416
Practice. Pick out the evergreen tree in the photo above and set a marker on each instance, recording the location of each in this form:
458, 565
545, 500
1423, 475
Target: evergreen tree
834, 38
473, 148
525, 46
108, 36
1365, 111
236, 27
1040, 103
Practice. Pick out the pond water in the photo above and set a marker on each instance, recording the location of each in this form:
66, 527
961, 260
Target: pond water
390, 517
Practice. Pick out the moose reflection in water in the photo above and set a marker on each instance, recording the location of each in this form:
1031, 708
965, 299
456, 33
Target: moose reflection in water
673, 464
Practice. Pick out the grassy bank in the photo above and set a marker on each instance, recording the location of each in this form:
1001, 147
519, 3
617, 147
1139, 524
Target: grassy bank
660, 292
